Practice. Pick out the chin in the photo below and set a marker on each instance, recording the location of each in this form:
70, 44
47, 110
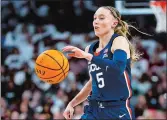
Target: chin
97, 34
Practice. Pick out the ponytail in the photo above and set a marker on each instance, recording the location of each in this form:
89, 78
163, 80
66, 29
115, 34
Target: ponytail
123, 29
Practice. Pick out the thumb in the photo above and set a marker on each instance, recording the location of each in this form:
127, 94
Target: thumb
67, 115
71, 54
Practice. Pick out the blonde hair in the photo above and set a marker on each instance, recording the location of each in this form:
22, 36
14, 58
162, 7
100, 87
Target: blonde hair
123, 29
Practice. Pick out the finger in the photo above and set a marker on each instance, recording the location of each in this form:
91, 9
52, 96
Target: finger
65, 48
73, 50
71, 54
64, 114
67, 115
68, 48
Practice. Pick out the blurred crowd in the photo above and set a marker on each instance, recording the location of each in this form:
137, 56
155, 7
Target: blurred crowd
28, 28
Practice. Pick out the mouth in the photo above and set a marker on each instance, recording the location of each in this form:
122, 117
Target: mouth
96, 27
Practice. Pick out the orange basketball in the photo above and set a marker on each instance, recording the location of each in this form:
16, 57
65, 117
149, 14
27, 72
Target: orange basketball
52, 66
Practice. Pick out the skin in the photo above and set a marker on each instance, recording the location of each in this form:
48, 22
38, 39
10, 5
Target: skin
104, 24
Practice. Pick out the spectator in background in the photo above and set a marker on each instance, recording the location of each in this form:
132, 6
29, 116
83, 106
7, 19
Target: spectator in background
14, 60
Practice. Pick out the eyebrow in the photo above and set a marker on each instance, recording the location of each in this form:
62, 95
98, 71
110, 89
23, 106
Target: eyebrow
99, 15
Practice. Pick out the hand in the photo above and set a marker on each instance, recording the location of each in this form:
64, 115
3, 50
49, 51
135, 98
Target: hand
69, 111
76, 52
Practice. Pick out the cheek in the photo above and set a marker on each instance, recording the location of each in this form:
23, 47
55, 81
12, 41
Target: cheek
106, 26
93, 23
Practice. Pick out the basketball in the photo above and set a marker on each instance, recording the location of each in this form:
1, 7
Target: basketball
52, 66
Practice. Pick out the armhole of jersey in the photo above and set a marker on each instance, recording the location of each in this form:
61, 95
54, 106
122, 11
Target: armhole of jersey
89, 51
91, 47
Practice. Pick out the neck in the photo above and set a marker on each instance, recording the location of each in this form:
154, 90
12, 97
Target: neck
103, 40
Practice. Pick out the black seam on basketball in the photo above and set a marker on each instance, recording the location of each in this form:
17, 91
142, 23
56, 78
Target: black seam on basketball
47, 67
65, 73
62, 76
56, 75
54, 60
50, 77
63, 62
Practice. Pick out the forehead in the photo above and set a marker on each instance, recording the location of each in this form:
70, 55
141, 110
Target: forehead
102, 11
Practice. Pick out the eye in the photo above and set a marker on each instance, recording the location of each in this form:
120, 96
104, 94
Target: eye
94, 18
101, 18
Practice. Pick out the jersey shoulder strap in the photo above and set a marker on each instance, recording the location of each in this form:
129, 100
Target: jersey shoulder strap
91, 47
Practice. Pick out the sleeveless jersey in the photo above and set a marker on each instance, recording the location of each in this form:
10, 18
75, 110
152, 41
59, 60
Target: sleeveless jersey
108, 85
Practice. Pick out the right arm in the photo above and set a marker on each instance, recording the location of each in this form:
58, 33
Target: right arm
83, 94
80, 97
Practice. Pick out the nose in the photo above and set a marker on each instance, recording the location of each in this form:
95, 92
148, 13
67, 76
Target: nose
95, 22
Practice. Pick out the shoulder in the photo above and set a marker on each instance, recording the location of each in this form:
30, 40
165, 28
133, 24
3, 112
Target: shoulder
120, 42
120, 39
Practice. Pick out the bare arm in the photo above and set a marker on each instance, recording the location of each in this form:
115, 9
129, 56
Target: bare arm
121, 43
82, 95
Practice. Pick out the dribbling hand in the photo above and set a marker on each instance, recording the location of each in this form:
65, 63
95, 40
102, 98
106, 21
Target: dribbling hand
76, 52
69, 111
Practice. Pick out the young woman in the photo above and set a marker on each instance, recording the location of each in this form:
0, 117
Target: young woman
109, 66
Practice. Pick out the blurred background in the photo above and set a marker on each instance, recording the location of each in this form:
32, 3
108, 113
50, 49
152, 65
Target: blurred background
29, 28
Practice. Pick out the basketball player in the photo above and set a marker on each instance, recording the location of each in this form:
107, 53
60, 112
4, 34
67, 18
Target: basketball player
109, 62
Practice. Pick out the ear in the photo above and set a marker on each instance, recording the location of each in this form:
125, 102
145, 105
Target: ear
114, 23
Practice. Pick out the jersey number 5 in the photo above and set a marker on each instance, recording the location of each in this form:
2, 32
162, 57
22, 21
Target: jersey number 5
100, 80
